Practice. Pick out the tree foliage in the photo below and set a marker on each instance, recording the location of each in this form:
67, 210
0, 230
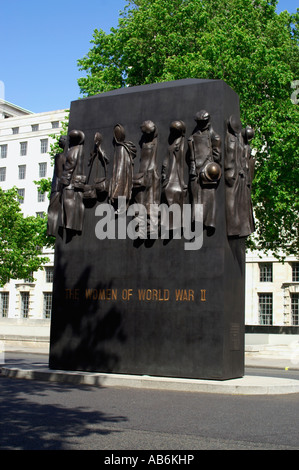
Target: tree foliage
246, 44
21, 240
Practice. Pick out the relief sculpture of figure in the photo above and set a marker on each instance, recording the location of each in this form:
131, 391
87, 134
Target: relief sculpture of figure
121, 183
239, 169
147, 181
248, 165
204, 167
54, 209
73, 181
173, 186
101, 182
99, 157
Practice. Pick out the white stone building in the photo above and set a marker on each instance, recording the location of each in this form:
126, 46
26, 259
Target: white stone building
25, 140
272, 288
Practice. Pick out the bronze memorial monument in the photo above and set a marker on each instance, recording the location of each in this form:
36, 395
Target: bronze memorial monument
151, 207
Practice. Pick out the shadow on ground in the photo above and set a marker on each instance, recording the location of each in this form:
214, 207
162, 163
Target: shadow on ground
30, 420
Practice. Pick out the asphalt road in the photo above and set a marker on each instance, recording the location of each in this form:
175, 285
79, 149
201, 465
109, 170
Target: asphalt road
56, 416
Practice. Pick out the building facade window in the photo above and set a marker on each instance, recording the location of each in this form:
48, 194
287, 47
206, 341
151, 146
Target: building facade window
47, 304
4, 303
266, 272
55, 124
42, 170
265, 308
44, 146
34, 127
3, 173
15, 130
23, 149
295, 309
3, 151
21, 195
22, 172
49, 273
295, 272
40, 196
25, 304
40, 214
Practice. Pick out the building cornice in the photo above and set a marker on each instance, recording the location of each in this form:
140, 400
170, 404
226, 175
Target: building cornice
9, 110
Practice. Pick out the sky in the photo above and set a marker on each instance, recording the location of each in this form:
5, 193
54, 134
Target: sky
41, 41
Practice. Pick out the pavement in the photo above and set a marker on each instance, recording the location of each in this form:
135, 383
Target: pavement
276, 357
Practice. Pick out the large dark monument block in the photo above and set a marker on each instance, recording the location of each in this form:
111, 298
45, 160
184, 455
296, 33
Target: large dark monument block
152, 306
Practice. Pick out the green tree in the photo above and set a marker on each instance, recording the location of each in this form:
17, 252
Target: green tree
21, 240
246, 44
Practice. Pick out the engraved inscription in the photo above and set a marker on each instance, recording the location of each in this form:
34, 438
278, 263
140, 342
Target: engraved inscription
142, 295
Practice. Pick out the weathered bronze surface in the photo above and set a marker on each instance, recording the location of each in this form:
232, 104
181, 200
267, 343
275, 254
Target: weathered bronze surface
147, 181
100, 160
249, 164
70, 186
73, 181
173, 186
154, 307
121, 183
54, 209
205, 170
238, 171
101, 181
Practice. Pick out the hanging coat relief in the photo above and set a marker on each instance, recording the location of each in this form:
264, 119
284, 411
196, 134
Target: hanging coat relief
73, 181
239, 171
147, 181
99, 160
121, 183
54, 209
173, 187
204, 167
